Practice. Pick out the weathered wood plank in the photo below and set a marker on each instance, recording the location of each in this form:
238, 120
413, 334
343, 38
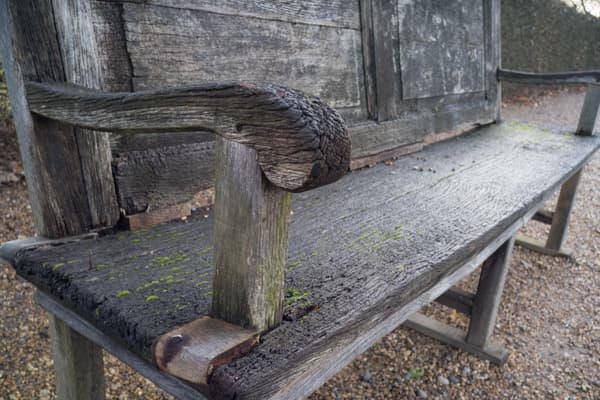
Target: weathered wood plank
251, 231
333, 13
301, 142
562, 213
455, 337
353, 270
441, 47
77, 39
29, 50
554, 78
318, 60
492, 47
489, 294
589, 111
78, 363
148, 180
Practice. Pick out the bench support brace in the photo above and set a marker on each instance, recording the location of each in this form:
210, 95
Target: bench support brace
558, 224
78, 363
483, 312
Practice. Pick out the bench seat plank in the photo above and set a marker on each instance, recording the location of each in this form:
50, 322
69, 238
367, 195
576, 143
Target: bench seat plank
360, 249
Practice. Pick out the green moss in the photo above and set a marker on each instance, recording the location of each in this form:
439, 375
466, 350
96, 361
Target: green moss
294, 264
206, 250
210, 293
147, 285
151, 298
180, 307
416, 373
57, 266
293, 295
97, 312
123, 293
175, 269
201, 283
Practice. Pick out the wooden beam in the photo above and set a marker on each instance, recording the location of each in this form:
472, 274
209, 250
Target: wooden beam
540, 247
193, 351
488, 296
556, 78
543, 216
562, 213
457, 299
78, 363
455, 337
251, 231
589, 111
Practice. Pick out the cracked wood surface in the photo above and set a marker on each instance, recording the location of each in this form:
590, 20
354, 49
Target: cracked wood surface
369, 243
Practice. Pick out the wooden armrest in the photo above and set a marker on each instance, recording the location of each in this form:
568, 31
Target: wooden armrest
301, 143
555, 78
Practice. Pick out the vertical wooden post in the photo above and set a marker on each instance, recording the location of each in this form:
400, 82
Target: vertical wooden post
76, 364
60, 188
488, 296
251, 231
562, 213
589, 111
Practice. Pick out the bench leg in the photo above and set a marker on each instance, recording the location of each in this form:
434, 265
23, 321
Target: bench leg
483, 312
558, 224
77, 363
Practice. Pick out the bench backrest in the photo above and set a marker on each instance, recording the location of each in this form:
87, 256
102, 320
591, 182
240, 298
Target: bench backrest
398, 71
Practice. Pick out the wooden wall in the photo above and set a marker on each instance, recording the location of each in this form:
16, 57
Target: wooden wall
398, 71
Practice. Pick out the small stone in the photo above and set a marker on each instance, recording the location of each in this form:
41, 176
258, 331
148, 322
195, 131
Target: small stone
367, 377
421, 394
466, 371
454, 380
442, 380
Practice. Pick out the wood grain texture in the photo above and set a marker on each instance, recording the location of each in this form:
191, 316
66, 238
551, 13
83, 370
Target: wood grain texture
489, 294
162, 177
29, 50
81, 62
335, 13
193, 351
355, 269
78, 363
204, 46
441, 47
251, 232
301, 143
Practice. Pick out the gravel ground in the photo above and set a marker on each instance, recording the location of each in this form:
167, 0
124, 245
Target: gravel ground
549, 317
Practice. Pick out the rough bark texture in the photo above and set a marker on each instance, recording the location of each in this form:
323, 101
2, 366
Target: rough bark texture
359, 249
301, 143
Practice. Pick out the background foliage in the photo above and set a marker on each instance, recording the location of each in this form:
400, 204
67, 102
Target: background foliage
4, 105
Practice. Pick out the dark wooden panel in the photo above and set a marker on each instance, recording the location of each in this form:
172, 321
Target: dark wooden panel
359, 250
337, 13
441, 47
170, 46
159, 177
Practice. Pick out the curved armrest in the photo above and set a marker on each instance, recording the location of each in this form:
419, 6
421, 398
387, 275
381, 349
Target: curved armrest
301, 143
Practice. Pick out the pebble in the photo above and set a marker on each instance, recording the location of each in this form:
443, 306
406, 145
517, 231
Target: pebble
421, 394
367, 377
442, 380
454, 380
466, 371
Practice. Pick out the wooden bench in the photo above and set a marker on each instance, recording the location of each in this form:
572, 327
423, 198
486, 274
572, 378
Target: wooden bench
219, 303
